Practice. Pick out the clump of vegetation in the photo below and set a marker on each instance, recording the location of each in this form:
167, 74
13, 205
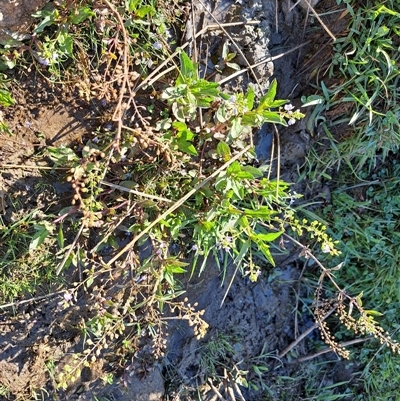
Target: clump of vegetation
180, 178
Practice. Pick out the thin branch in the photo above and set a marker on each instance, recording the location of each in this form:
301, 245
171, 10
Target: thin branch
320, 21
305, 334
132, 191
326, 350
35, 167
27, 301
266, 60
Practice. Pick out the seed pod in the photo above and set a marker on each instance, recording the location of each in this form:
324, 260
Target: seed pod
70, 178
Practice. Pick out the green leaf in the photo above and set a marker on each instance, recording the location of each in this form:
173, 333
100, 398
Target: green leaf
89, 282
60, 238
373, 313
234, 168
237, 188
38, 238
272, 117
187, 147
207, 225
264, 212
81, 14
255, 172
66, 44
266, 252
312, 100
236, 129
250, 98
131, 5
268, 237
268, 98
224, 151
234, 66
252, 118
144, 11
7, 65
5, 98
49, 18
188, 69
278, 103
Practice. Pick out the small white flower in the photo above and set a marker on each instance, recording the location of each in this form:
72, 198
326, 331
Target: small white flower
326, 248
157, 45
68, 296
288, 107
291, 121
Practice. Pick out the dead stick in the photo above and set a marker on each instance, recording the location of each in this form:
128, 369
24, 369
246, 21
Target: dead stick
305, 334
326, 350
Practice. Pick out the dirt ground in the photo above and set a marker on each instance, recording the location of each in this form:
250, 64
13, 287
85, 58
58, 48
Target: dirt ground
257, 318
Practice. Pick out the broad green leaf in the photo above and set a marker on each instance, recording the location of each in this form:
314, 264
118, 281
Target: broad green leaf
144, 11
234, 66
269, 237
252, 118
278, 103
188, 69
272, 117
234, 168
255, 172
179, 125
7, 65
230, 57
187, 147
244, 175
224, 151
66, 44
268, 98
207, 225
236, 129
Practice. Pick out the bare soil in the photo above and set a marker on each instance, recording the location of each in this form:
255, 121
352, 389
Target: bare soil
256, 317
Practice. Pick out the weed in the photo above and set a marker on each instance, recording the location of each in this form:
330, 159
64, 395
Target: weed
182, 183
367, 97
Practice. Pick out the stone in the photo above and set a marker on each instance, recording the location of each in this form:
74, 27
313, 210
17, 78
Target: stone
16, 16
